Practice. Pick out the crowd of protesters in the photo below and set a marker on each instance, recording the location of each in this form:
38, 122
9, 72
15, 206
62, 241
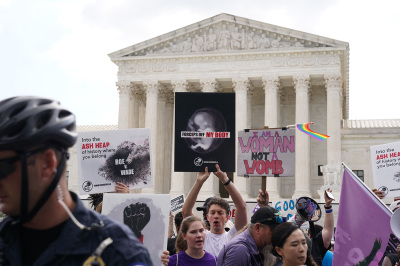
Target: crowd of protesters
48, 225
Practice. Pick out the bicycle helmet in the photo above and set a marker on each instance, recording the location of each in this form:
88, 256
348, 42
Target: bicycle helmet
29, 125
27, 121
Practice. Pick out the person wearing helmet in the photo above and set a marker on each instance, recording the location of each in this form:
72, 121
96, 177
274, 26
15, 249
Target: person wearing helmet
46, 224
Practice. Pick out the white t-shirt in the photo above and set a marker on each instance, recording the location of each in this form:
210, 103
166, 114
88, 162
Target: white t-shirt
215, 242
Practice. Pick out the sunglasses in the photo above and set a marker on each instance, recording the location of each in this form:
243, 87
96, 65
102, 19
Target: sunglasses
7, 166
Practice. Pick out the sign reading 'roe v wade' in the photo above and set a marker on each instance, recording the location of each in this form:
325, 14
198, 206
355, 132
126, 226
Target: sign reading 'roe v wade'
267, 152
108, 157
204, 131
385, 161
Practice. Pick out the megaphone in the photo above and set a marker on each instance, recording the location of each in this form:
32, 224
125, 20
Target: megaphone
307, 210
395, 223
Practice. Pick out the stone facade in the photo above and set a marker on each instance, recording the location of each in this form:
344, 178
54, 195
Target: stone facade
280, 77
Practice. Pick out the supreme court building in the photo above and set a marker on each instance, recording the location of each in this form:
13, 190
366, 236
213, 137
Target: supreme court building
280, 77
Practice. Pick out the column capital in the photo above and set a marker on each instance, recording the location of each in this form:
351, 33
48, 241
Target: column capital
208, 85
270, 83
163, 92
333, 81
240, 85
123, 87
151, 87
301, 83
180, 85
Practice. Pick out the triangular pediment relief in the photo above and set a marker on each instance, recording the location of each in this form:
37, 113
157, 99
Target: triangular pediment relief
227, 33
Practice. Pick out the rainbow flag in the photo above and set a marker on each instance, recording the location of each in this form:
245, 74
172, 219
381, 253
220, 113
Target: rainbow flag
306, 129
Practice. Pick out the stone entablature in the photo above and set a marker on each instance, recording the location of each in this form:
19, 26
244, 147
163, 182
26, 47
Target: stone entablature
371, 123
230, 62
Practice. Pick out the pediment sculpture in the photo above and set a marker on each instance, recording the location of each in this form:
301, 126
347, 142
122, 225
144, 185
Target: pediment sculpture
224, 37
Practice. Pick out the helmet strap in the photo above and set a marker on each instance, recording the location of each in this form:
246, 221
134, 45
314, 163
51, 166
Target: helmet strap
25, 216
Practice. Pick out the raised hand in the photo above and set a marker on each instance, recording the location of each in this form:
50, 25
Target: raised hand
262, 198
328, 201
121, 188
203, 176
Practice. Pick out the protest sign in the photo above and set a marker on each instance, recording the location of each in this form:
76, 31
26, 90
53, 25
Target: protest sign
177, 203
204, 131
145, 214
268, 152
385, 160
107, 157
286, 207
363, 234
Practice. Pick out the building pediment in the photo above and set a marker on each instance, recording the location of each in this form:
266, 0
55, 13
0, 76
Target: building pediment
227, 33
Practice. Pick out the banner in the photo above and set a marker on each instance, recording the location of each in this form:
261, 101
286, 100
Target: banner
363, 234
204, 131
108, 157
385, 161
268, 152
146, 215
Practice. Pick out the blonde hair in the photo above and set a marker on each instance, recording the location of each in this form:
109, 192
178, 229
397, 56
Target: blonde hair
181, 243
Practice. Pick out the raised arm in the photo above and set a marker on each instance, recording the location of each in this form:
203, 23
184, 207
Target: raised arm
329, 223
241, 211
187, 208
262, 198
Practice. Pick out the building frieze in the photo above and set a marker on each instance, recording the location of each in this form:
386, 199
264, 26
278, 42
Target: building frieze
132, 67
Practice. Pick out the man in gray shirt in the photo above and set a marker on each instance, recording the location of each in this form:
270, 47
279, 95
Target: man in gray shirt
246, 248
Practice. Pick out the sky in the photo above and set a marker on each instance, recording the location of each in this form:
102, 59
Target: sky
59, 48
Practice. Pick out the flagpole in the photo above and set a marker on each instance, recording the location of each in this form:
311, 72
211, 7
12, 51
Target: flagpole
365, 186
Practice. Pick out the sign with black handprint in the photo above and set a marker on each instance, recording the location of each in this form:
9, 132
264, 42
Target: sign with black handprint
147, 215
108, 157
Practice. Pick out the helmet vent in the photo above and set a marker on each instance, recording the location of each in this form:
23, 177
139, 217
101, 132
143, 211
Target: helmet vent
15, 130
44, 101
63, 113
17, 110
43, 119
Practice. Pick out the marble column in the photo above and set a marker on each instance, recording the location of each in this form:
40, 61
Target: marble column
302, 146
250, 93
151, 88
161, 137
134, 107
211, 186
333, 83
240, 86
123, 112
141, 94
168, 150
178, 179
272, 104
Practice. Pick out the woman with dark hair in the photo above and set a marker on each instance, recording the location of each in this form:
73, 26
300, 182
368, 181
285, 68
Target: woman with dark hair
289, 243
190, 245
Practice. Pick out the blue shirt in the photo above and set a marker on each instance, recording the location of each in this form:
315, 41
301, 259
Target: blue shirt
74, 246
241, 251
327, 261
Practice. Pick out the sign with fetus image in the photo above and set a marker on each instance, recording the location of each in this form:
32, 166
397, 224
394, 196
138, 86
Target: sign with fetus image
108, 157
204, 131
147, 215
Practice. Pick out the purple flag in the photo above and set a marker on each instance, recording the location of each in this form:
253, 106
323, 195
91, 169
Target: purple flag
363, 234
